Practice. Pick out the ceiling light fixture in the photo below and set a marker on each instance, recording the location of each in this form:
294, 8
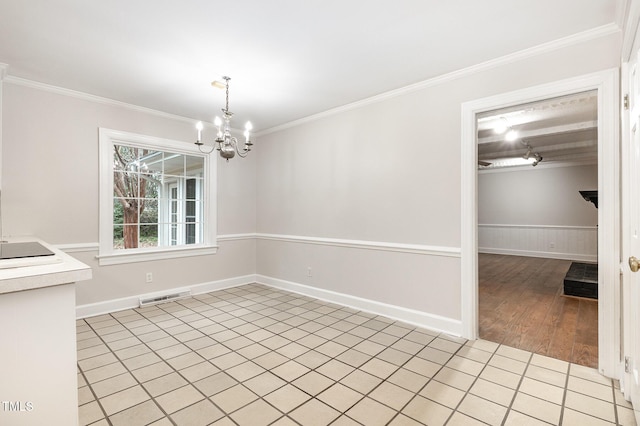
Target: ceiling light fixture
502, 126
511, 135
527, 155
538, 158
226, 144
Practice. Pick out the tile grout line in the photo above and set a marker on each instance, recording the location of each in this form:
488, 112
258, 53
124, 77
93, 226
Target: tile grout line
615, 404
97, 400
397, 412
565, 392
275, 350
154, 352
468, 391
175, 370
236, 305
334, 358
131, 373
272, 350
167, 415
431, 379
226, 415
515, 394
356, 325
222, 343
397, 338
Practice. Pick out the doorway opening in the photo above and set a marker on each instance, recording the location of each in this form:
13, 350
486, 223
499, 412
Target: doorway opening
537, 234
605, 84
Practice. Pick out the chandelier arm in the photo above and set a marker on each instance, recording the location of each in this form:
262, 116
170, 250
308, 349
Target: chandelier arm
243, 153
213, 148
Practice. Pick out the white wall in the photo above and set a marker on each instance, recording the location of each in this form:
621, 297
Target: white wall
51, 185
538, 212
388, 172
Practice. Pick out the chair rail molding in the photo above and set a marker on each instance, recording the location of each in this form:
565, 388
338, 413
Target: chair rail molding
368, 245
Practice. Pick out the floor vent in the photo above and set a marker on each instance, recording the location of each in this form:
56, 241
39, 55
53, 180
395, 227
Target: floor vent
162, 298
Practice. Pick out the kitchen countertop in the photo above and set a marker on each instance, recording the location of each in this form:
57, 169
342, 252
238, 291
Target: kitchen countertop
39, 272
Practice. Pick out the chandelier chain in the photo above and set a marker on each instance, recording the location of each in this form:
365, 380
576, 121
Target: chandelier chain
227, 93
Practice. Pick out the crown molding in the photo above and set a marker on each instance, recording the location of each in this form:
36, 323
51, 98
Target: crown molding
18, 81
571, 40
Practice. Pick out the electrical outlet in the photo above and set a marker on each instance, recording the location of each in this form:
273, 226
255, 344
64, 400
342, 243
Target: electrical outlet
552, 245
149, 277
309, 271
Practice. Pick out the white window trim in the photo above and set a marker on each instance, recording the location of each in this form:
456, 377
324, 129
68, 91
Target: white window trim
106, 254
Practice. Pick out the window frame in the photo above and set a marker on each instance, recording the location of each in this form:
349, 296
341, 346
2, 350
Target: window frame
107, 255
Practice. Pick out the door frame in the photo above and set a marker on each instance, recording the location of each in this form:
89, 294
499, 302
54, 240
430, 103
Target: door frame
629, 87
607, 84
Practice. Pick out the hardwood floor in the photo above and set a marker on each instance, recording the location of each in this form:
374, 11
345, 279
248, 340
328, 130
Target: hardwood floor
522, 305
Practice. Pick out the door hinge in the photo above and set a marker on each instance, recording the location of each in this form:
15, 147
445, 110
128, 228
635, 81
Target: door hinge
626, 101
627, 362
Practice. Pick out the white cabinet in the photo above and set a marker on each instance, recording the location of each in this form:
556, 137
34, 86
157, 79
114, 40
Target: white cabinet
38, 370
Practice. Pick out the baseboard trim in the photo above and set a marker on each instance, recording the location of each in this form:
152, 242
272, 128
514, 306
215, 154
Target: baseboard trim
411, 316
543, 254
114, 305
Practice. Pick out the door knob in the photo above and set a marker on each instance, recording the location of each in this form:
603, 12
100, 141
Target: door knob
634, 264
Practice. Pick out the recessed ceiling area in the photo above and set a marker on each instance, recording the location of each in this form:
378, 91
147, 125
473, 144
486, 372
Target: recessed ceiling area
557, 130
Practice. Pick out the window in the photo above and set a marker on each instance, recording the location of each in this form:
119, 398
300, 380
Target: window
156, 199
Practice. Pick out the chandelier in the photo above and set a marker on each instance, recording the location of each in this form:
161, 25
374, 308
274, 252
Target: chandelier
224, 142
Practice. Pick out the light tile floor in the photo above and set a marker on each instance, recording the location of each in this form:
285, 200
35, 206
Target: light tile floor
254, 355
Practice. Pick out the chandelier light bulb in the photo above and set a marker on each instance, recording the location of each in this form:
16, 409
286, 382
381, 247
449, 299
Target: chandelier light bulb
199, 127
247, 131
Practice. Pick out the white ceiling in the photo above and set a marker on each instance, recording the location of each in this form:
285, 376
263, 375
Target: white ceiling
288, 59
